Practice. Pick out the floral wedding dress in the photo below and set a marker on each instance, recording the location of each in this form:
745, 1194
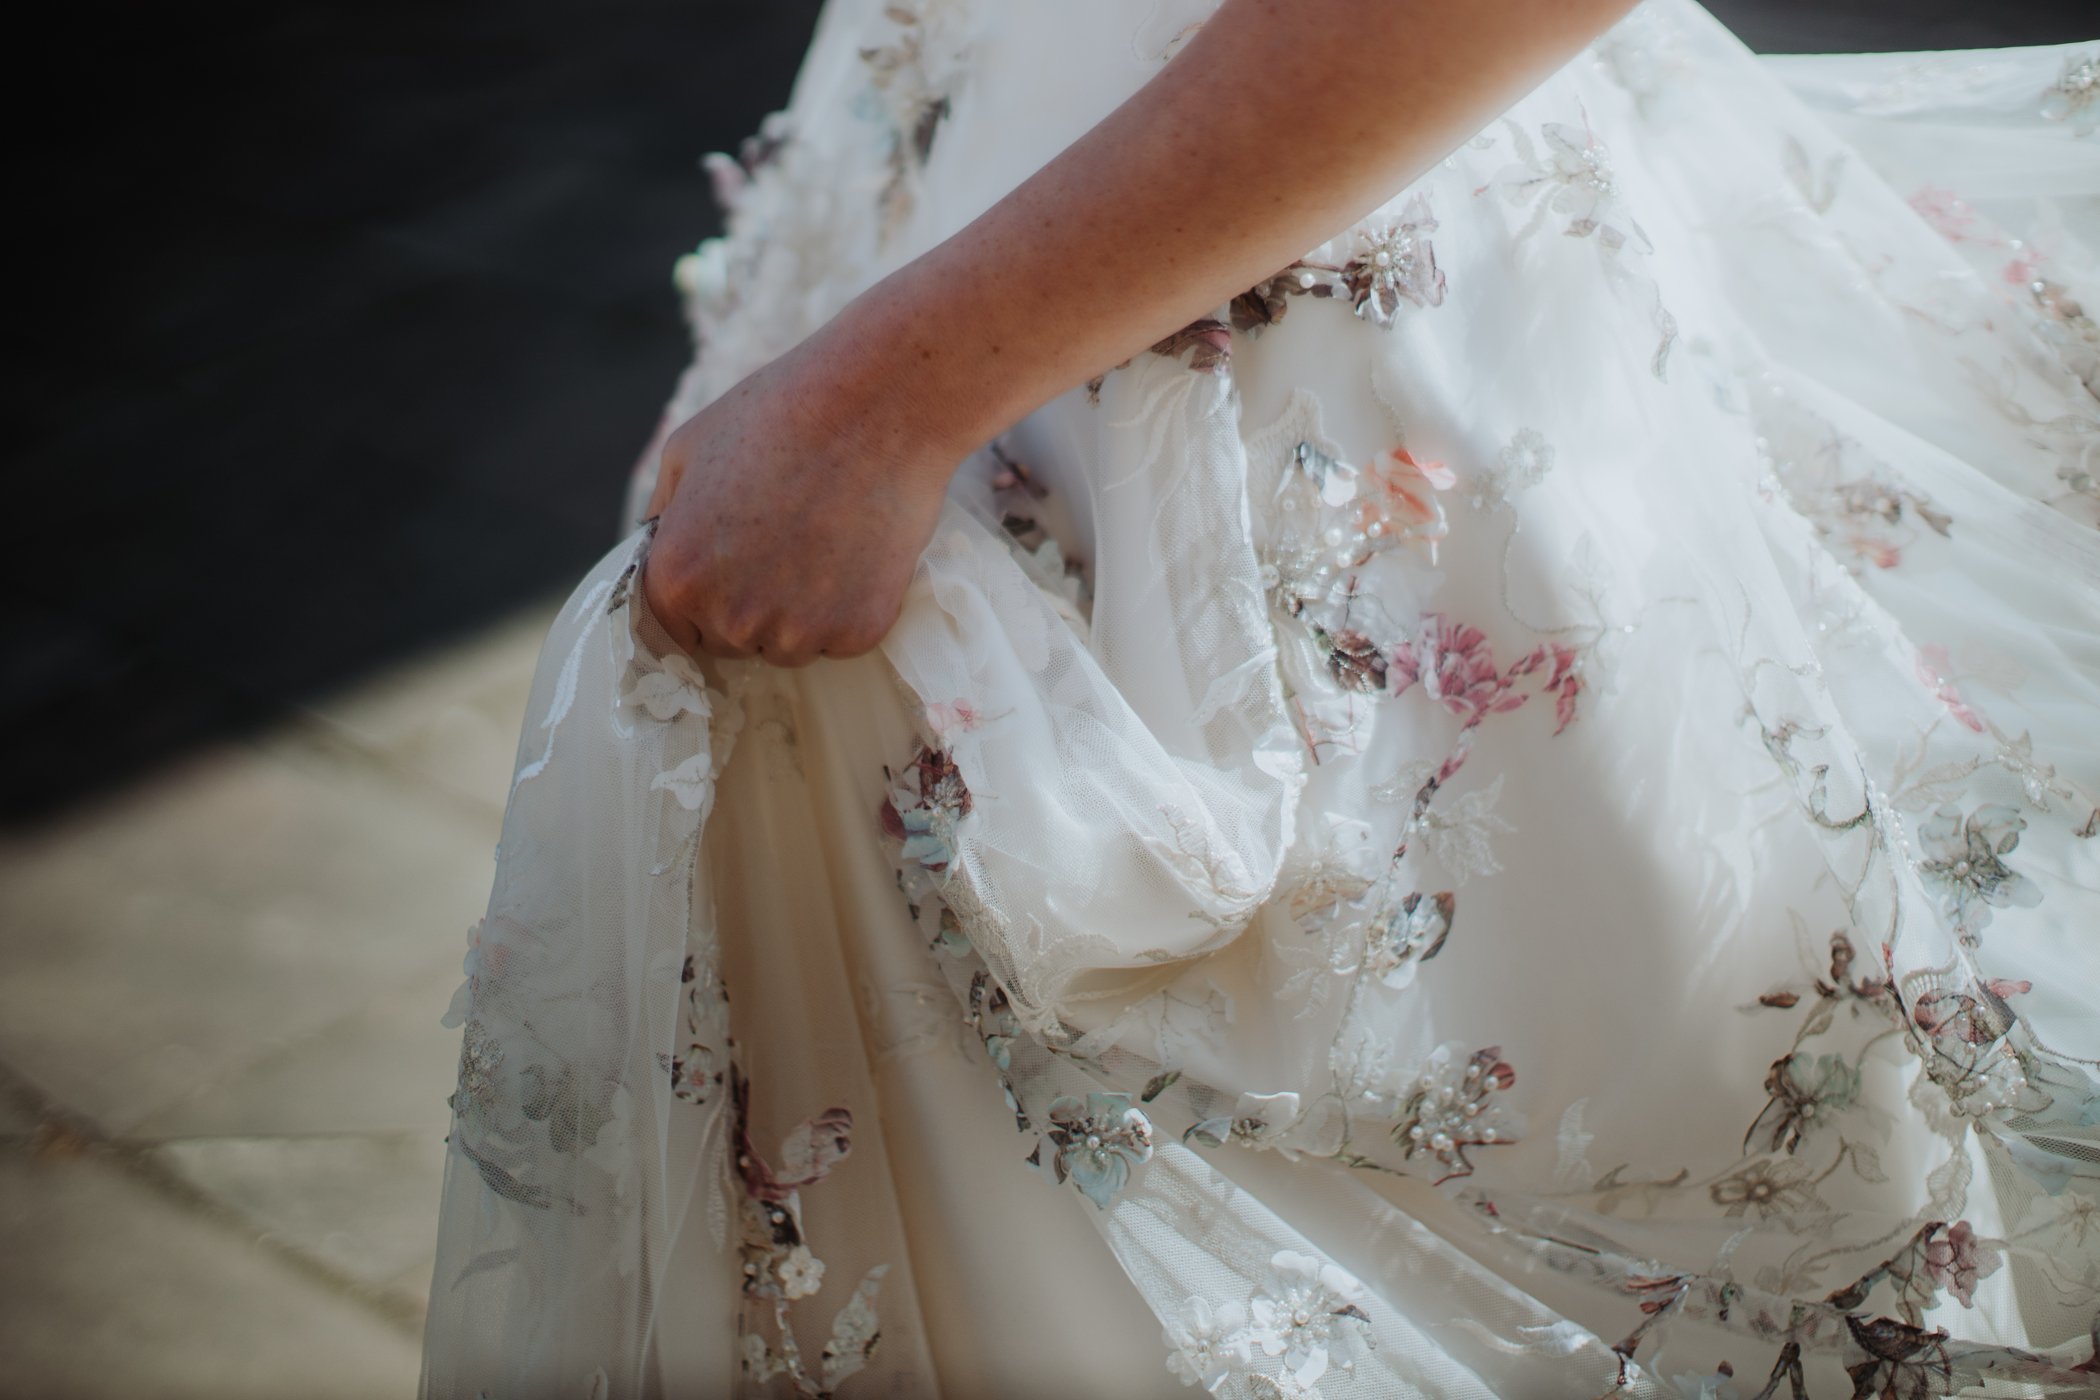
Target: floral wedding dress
1515, 813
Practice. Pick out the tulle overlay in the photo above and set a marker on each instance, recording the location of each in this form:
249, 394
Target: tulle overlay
1517, 813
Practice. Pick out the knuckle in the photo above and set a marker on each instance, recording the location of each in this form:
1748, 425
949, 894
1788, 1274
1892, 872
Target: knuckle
790, 640
859, 639
731, 638
740, 626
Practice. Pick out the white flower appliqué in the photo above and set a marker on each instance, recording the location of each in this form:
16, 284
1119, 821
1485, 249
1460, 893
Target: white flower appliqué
1306, 1309
1307, 1314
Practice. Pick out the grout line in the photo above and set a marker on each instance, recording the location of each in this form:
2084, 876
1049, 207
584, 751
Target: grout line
135, 1142
62, 1133
270, 1053
332, 737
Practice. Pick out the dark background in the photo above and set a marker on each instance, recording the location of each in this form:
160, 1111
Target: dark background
344, 322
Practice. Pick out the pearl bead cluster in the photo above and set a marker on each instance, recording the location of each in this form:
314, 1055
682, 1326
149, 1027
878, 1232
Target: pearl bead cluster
1450, 1110
1324, 532
1397, 264
1596, 172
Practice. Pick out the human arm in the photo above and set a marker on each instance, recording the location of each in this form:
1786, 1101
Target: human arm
1280, 122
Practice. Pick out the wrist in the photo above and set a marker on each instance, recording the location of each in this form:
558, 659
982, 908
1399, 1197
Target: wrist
925, 368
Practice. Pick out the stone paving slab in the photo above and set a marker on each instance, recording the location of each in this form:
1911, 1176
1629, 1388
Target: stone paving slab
222, 1073
112, 1292
219, 914
366, 1205
385, 1068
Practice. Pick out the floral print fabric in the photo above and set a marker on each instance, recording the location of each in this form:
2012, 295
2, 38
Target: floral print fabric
1512, 812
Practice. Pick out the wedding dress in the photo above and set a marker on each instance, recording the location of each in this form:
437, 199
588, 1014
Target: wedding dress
1517, 813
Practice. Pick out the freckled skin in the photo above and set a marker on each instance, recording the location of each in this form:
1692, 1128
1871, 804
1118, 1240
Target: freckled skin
792, 511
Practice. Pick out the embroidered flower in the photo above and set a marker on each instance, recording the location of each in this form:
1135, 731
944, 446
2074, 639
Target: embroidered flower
2081, 1217
1963, 861
480, 1056
1397, 264
1325, 871
691, 782
926, 799
1461, 836
1902, 1360
1934, 666
1208, 343
1306, 1308
1404, 935
1951, 217
1257, 1120
1958, 1260
1097, 1141
1456, 666
1803, 1089
1206, 1344
1855, 501
2037, 780
675, 688
801, 1273
1265, 303
948, 935
912, 77
1524, 462
1355, 661
1978, 1016
1575, 178
946, 717
1769, 1187
574, 1113
807, 1154
2075, 97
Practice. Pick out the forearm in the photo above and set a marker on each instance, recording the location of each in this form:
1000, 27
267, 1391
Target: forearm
1281, 122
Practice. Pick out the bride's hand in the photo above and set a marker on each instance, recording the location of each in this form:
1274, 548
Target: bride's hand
791, 512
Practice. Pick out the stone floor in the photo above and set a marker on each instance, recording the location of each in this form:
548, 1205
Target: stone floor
222, 1077
350, 330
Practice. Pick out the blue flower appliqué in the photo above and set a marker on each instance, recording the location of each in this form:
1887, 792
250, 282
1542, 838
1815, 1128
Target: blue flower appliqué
1097, 1141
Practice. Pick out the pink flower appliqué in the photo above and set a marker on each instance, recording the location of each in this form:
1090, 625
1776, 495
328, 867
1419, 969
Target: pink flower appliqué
1950, 215
2024, 269
1399, 497
1563, 682
1934, 665
1958, 1260
1456, 665
946, 717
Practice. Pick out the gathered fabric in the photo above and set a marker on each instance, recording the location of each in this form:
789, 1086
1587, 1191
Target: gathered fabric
1514, 813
